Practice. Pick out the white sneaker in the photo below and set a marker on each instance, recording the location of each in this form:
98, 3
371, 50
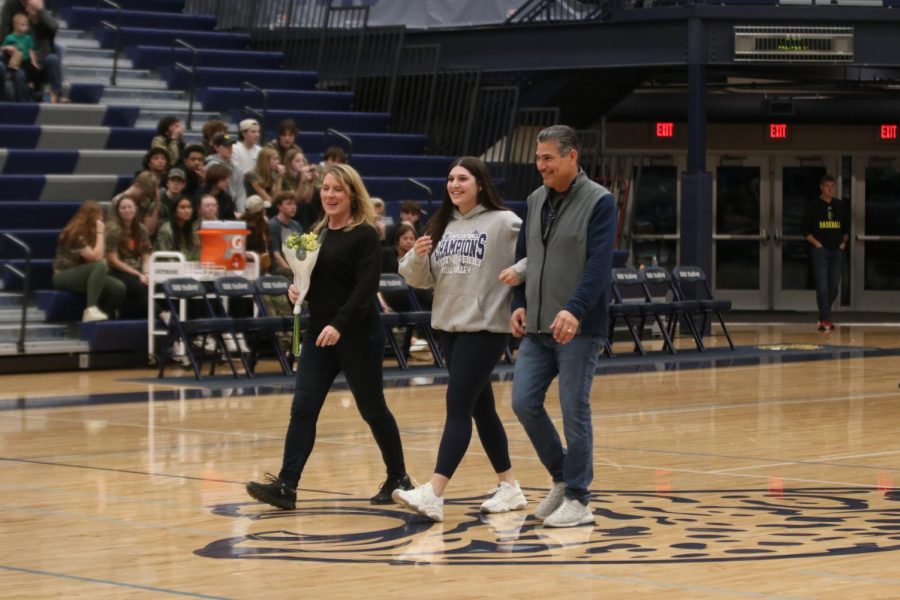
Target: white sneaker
242, 344
179, 355
230, 344
421, 500
92, 313
506, 498
552, 501
570, 514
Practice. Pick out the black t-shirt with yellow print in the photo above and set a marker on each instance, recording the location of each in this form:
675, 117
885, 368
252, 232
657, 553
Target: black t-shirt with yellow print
828, 222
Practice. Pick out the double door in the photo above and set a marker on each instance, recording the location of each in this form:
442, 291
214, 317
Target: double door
760, 255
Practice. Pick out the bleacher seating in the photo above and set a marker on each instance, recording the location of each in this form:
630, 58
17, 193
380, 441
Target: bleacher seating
226, 98
53, 157
155, 57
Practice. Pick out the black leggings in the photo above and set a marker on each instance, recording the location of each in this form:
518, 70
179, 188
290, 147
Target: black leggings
360, 357
471, 358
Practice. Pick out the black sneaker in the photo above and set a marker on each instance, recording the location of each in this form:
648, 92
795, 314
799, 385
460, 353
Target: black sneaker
384, 494
274, 492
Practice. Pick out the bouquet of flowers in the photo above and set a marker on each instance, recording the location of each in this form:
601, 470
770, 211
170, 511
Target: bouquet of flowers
301, 251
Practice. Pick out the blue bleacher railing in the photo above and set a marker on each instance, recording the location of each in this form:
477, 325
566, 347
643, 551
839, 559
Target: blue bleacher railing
118, 29
430, 195
348, 141
192, 92
25, 275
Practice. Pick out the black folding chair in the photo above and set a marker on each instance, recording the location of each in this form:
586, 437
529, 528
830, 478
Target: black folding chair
660, 284
276, 286
707, 304
632, 300
251, 327
207, 327
398, 295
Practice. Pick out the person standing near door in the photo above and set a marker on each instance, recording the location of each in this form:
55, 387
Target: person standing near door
827, 231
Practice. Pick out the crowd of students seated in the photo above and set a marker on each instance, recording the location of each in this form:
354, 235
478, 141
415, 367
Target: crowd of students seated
29, 57
273, 189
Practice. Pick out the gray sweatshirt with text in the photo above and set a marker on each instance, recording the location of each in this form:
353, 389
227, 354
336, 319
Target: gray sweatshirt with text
463, 269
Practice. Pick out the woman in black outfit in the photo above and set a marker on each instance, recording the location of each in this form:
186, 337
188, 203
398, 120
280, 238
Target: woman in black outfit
344, 334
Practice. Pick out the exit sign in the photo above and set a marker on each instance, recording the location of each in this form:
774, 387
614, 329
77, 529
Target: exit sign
778, 131
887, 131
665, 130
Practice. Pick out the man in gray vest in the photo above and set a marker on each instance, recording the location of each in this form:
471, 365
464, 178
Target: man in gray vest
562, 315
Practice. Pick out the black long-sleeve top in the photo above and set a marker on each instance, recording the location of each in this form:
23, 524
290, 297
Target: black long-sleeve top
344, 281
828, 222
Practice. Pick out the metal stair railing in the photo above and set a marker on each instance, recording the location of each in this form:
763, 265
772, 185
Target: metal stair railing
118, 29
25, 276
192, 70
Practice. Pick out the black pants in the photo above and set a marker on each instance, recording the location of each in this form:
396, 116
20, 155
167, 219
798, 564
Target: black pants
471, 358
360, 357
135, 304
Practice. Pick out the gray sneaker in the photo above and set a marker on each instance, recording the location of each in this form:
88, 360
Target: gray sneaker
552, 501
570, 514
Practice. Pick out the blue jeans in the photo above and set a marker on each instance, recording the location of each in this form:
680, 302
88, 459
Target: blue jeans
51, 72
826, 266
541, 359
19, 89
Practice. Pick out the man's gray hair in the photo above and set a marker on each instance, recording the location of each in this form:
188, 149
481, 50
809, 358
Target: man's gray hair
565, 137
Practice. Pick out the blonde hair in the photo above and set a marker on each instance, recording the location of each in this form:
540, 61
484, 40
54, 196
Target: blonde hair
361, 209
264, 170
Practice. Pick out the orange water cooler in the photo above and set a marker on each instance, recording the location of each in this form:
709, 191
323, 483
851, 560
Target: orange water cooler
223, 243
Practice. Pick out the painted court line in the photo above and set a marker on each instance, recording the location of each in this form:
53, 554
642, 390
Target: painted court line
133, 586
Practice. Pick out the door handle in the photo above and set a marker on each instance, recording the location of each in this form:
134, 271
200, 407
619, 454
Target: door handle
764, 237
878, 238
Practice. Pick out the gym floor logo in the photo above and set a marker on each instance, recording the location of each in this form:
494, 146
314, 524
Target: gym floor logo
631, 527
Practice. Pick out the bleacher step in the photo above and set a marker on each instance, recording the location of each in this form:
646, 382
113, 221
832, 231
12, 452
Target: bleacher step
150, 84
149, 118
12, 315
115, 95
81, 43
97, 62
34, 331
82, 53
9, 300
103, 72
66, 346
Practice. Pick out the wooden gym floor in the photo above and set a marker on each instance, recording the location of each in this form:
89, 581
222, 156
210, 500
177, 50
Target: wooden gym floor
772, 479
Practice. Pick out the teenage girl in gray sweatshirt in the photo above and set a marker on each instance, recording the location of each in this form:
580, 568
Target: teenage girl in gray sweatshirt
466, 245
